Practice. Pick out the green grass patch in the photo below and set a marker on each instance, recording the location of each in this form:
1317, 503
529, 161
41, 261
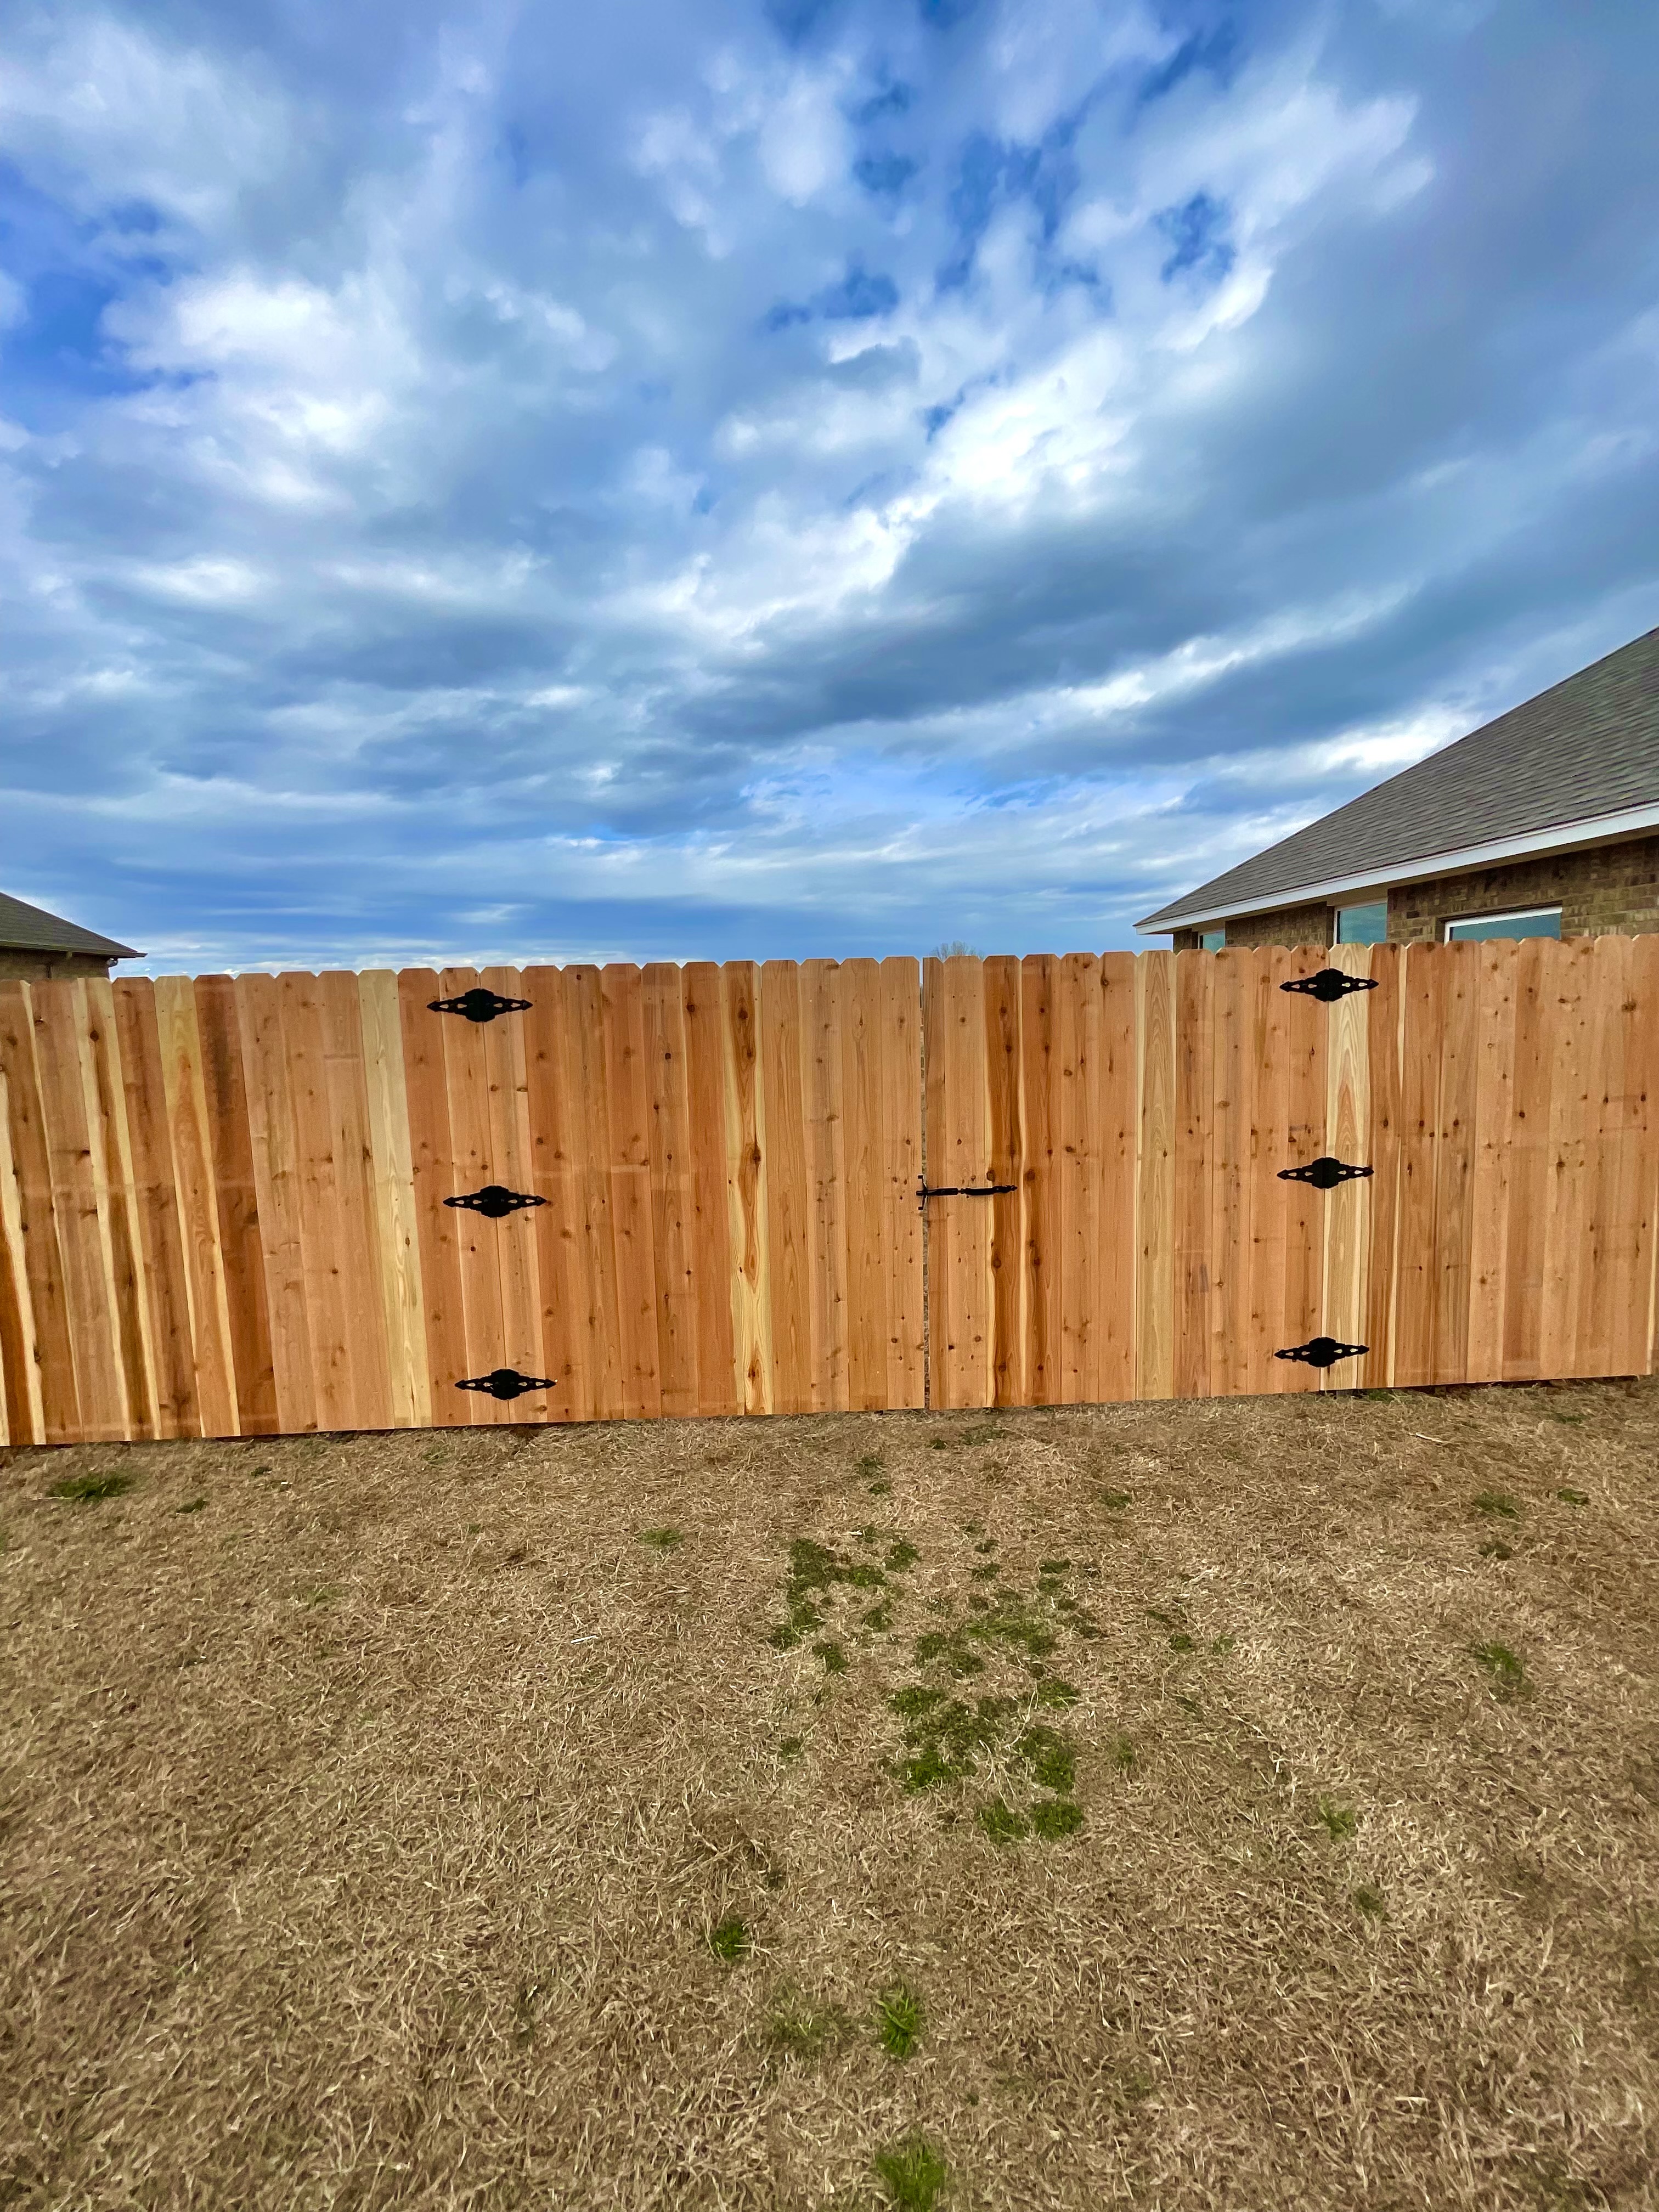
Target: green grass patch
791, 1748
1124, 1755
1182, 1642
1495, 1548
834, 1658
1221, 1645
89, 1489
870, 1464
914, 2175
191, 1505
900, 2018
661, 1540
880, 1617
1370, 1901
1001, 1823
1508, 1675
1115, 1500
802, 2029
1498, 1501
1053, 1566
1573, 1496
1055, 1692
1340, 1821
730, 1939
903, 1554
1048, 1756
1054, 1817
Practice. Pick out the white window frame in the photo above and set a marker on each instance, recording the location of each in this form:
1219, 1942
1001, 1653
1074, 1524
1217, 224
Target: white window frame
1506, 913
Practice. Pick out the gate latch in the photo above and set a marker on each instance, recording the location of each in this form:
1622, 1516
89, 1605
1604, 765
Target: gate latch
1330, 984
1323, 1352
1323, 1174
479, 1005
496, 1204
506, 1382
927, 1190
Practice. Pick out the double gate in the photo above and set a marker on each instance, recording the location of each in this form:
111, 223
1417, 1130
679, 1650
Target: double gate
274, 1204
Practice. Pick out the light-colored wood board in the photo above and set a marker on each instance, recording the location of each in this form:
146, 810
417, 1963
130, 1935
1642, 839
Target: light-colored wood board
1072, 1163
858, 985
1193, 1170
506, 1092
1529, 1177
788, 1190
356, 1241
1042, 1175
466, 1085
1155, 1149
1005, 1163
826, 1169
1383, 1152
317, 1182
585, 1042
746, 1177
59, 1010
112, 1156
1113, 1108
1347, 1208
397, 1233
198, 1204
1306, 1102
1229, 1195
160, 1229
558, 1175
1610, 1286
627, 1099
240, 1233
1571, 1022
901, 1124
1267, 1115
274, 1162
960, 1228
1644, 1083
22, 1419
1455, 1157
1489, 1201
1418, 1270
671, 1189
718, 1390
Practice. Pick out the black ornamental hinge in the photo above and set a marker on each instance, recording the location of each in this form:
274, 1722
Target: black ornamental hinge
927, 1190
1323, 1352
479, 1005
506, 1382
496, 1203
1330, 984
1323, 1174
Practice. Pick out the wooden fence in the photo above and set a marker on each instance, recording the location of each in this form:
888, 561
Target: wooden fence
222, 1202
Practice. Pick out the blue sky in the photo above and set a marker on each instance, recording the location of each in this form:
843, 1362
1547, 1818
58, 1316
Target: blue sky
727, 480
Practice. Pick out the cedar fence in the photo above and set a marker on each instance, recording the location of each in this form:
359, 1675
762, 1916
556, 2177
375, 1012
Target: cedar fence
276, 1204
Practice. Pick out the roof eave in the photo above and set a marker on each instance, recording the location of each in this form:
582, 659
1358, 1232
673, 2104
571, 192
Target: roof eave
1600, 830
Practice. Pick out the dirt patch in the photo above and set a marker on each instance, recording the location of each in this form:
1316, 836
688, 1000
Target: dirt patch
1237, 1804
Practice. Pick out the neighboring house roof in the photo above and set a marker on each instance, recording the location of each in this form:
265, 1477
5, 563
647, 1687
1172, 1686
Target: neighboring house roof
1579, 764
32, 929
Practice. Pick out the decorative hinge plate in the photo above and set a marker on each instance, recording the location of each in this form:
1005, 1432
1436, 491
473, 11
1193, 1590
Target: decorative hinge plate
1329, 984
479, 1005
496, 1203
506, 1382
1323, 1174
1323, 1352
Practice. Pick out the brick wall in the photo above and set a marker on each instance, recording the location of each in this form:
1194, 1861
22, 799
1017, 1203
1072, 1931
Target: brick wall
1609, 889
1606, 890
43, 967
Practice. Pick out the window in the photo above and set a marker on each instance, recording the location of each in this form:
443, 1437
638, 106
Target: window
1537, 921
1212, 940
1362, 924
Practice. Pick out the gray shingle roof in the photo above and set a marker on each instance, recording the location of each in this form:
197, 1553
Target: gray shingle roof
32, 929
1585, 748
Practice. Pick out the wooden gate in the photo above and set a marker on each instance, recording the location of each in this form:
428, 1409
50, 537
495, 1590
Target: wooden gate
229, 1206
1143, 1108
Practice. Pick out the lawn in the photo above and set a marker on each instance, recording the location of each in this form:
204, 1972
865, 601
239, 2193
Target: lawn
1227, 1805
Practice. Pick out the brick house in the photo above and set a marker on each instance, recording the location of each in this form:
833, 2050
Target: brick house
1543, 823
38, 946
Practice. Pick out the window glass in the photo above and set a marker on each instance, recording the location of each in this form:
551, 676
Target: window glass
1546, 924
1212, 940
1362, 924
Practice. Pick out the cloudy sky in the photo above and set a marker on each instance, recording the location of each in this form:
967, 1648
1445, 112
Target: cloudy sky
703, 478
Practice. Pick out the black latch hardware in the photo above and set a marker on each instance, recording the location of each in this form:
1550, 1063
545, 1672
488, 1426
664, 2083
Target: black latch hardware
479, 1005
927, 1190
506, 1382
1330, 984
1323, 1352
1323, 1174
496, 1203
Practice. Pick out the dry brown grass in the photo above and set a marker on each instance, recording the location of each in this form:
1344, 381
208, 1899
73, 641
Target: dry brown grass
364, 1828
